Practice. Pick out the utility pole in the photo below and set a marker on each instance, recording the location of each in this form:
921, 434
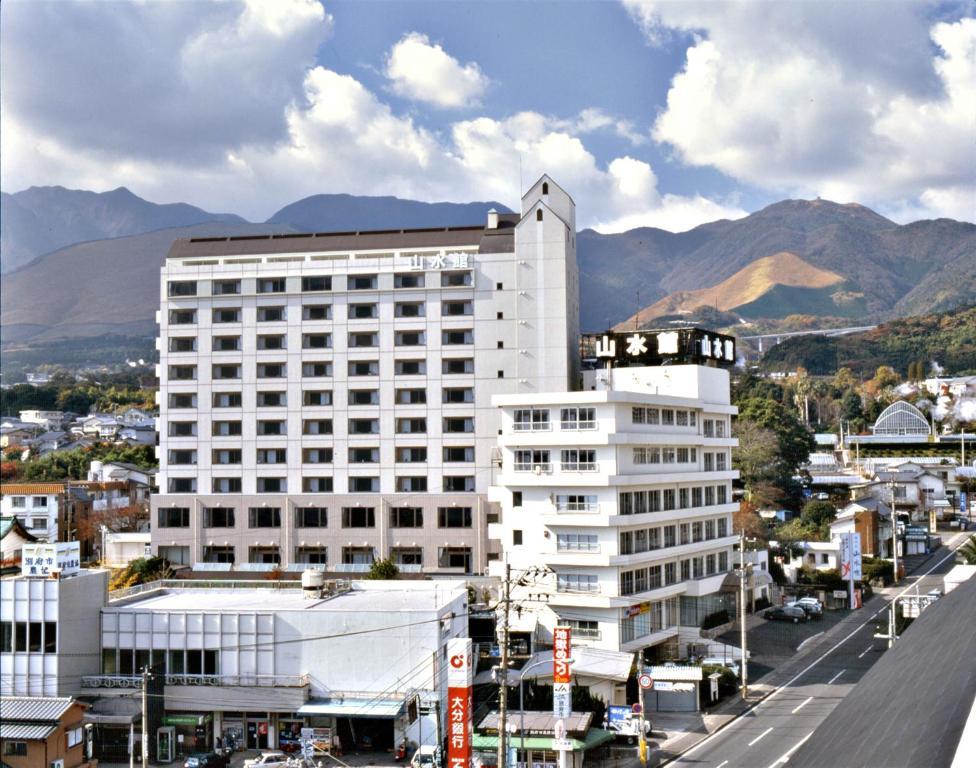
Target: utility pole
145, 717
742, 613
894, 535
503, 670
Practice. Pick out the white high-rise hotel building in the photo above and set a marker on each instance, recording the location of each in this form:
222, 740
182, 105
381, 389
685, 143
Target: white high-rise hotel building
326, 398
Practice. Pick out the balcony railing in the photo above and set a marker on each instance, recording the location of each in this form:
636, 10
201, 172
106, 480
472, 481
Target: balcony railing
577, 425
258, 681
580, 633
533, 466
531, 426
576, 507
578, 589
579, 466
580, 546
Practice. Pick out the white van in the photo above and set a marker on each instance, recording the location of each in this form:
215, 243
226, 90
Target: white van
423, 756
718, 661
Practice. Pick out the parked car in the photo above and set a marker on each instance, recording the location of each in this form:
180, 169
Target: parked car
268, 760
206, 760
785, 613
718, 661
809, 605
424, 756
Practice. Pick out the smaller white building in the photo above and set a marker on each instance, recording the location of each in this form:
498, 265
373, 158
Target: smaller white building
819, 555
120, 549
50, 420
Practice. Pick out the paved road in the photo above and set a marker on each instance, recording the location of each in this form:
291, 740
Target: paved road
808, 688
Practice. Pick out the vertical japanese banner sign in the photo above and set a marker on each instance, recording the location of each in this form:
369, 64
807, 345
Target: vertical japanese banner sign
459, 681
562, 701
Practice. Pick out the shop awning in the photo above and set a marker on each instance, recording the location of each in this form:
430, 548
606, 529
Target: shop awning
353, 707
114, 710
594, 738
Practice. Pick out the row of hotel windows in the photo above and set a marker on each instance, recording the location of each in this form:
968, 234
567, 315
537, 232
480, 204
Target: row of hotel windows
650, 618
668, 417
275, 427
538, 419
28, 637
666, 574
711, 461
650, 539
361, 311
355, 340
447, 557
315, 517
571, 460
320, 397
357, 455
20, 502
371, 484
665, 499
318, 283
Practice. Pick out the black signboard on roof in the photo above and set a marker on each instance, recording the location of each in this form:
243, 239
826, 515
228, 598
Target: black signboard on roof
666, 346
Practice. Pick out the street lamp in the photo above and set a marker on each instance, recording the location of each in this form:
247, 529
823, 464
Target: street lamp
522, 672
894, 534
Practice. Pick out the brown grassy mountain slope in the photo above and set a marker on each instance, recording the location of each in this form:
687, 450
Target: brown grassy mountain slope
744, 287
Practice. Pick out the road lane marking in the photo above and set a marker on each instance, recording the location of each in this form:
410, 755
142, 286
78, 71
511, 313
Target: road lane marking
724, 762
801, 706
866, 651
829, 682
815, 662
812, 637
786, 755
764, 733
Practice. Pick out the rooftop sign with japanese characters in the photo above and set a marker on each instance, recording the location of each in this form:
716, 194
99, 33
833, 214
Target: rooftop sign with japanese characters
695, 346
45, 559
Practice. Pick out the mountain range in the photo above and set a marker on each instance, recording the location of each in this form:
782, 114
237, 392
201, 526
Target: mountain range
80, 263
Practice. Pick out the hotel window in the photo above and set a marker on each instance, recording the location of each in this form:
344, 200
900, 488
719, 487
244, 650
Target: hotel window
683, 498
182, 400
709, 529
272, 455
183, 344
361, 282
576, 582
363, 340
358, 517
457, 365
409, 339
411, 426
316, 340
670, 574
578, 460
316, 370
364, 455
316, 485
531, 419
358, 555
696, 497
364, 485
454, 517
458, 484
681, 419
458, 425
721, 494
182, 457
173, 517
364, 397
454, 395
723, 527
317, 397
223, 554
408, 555
314, 283
458, 454
454, 557
364, 426
226, 344
411, 454
577, 418
265, 555
271, 341
668, 497
317, 427
364, 368
723, 562
685, 531
182, 372
311, 517
411, 396
226, 428
454, 337
182, 288
411, 484
527, 459
408, 280
271, 314
669, 536
182, 316
667, 417
271, 370
226, 372
317, 312
410, 367
226, 485
226, 315
311, 555
721, 462
271, 285
272, 399
362, 311
409, 309
225, 287
264, 517
272, 427
182, 429
218, 517
709, 495
696, 532
456, 308
316, 455
456, 279
406, 517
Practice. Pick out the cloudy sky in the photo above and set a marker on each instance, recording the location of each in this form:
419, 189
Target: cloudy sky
653, 113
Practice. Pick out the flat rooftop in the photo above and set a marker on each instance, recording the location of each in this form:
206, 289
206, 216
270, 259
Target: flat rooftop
430, 596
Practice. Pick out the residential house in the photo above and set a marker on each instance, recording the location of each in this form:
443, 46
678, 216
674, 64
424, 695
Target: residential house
139, 479
43, 731
49, 442
101, 425
49, 420
11, 437
869, 517
138, 418
818, 555
13, 536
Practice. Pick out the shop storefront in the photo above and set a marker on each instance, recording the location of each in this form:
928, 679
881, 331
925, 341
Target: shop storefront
193, 731
536, 746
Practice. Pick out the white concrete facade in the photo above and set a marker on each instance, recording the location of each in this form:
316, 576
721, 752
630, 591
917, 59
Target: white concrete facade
624, 494
353, 375
37, 511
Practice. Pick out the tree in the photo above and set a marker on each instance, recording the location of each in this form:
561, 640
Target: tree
795, 441
757, 454
818, 513
747, 520
384, 568
851, 407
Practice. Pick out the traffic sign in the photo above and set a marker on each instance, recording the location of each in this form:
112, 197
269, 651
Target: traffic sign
645, 681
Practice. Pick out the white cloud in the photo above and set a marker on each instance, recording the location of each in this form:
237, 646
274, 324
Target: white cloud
824, 99
425, 72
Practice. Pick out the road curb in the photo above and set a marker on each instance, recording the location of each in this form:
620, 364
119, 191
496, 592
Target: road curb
812, 637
